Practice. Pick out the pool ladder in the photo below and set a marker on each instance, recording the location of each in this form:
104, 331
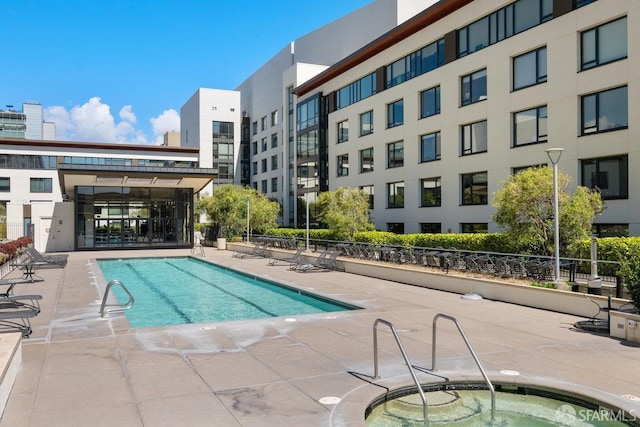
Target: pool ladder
411, 367
126, 306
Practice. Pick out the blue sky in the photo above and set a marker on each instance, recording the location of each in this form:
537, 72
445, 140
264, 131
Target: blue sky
119, 71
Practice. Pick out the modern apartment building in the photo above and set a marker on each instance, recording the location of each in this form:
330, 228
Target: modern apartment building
28, 123
267, 159
430, 117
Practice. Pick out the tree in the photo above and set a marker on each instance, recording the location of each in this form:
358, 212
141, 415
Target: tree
345, 212
226, 208
525, 209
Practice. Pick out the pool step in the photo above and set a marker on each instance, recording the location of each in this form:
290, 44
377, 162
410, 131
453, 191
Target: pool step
10, 362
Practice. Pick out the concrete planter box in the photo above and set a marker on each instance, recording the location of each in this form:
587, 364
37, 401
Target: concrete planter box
625, 326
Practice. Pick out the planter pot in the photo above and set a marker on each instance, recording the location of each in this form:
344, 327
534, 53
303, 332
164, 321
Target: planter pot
221, 243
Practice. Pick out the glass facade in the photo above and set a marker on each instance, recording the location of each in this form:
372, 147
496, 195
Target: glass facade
129, 217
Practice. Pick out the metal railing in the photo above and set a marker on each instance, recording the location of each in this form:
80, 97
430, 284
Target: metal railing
425, 409
121, 307
473, 354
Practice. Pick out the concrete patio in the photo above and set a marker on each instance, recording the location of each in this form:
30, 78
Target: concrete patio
79, 369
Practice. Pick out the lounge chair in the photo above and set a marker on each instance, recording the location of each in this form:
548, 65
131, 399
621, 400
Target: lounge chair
56, 260
259, 250
31, 302
12, 320
11, 283
300, 262
322, 263
291, 260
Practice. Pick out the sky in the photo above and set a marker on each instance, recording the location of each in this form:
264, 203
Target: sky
119, 71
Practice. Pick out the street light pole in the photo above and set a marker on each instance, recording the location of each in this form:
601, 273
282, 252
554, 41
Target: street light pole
554, 155
307, 203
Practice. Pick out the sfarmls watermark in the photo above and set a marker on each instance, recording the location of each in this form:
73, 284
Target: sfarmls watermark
567, 414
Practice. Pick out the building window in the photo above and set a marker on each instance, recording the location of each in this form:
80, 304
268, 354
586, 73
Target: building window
222, 130
254, 168
430, 147
366, 160
5, 184
430, 227
519, 169
274, 118
530, 68
473, 87
41, 185
263, 123
263, 144
474, 188
395, 114
369, 190
274, 184
474, 138
604, 111
415, 64
254, 128
343, 131
263, 165
254, 147
274, 140
343, 164
474, 227
430, 102
604, 44
530, 126
263, 186
610, 175
356, 91
512, 19
274, 162
431, 194
366, 123
395, 194
395, 154
395, 227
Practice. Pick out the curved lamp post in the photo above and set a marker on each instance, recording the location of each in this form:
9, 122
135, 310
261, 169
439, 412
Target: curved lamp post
554, 155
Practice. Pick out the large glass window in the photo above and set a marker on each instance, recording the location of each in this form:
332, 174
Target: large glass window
430, 227
366, 160
343, 131
530, 68
604, 44
308, 113
530, 126
474, 227
366, 123
605, 111
395, 113
41, 185
274, 162
474, 188
5, 184
395, 154
356, 91
274, 140
430, 102
416, 63
369, 190
343, 165
222, 130
274, 184
474, 138
431, 194
430, 147
395, 194
610, 175
473, 87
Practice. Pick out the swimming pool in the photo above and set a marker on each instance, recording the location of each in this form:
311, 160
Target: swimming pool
173, 291
470, 405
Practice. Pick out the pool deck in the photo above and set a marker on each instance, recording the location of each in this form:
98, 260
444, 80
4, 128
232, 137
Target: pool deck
81, 370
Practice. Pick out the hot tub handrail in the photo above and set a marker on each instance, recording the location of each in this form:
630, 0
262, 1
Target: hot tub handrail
473, 354
425, 409
125, 306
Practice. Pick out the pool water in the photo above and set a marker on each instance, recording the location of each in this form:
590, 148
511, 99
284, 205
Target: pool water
473, 408
173, 291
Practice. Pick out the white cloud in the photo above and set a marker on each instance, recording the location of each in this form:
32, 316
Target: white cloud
168, 121
93, 122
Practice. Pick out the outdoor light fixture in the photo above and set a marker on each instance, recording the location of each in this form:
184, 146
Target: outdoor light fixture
554, 155
248, 198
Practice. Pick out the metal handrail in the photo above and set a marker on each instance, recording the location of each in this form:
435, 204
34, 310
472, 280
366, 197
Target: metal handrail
425, 409
126, 306
473, 353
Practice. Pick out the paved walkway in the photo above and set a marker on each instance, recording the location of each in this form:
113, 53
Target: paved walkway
81, 370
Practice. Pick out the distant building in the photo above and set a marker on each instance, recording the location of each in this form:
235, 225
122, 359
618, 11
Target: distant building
28, 123
171, 139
